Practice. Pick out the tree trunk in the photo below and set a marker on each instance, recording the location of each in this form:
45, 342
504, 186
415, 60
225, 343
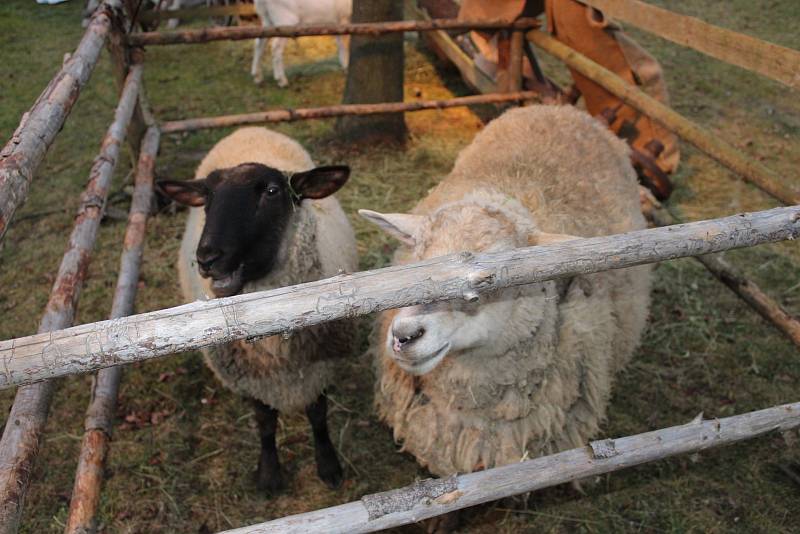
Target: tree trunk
375, 74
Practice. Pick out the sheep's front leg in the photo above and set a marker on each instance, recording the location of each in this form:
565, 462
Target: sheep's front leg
268, 476
328, 467
258, 51
278, 44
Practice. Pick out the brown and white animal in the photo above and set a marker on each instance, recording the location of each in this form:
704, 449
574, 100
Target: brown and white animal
290, 13
527, 370
263, 218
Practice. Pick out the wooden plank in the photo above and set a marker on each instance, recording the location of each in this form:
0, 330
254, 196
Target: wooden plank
101, 411
430, 498
24, 152
199, 324
198, 12
19, 446
768, 59
730, 156
288, 115
472, 75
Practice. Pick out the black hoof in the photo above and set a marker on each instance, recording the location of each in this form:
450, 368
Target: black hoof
270, 483
330, 473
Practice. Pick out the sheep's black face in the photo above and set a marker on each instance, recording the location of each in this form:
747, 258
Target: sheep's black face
248, 209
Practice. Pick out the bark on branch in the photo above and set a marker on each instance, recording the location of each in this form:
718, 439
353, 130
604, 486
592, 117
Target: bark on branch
366, 28
289, 115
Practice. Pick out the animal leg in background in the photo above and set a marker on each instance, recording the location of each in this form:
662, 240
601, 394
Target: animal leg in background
258, 51
268, 476
277, 45
344, 57
328, 467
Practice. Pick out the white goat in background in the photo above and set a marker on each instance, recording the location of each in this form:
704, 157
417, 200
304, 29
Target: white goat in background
290, 13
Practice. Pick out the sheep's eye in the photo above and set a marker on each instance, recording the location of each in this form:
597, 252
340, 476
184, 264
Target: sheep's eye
272, 191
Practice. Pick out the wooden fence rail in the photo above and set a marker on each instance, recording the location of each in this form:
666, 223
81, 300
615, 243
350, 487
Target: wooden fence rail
745, 289
24, 152
768, 59
288, 114
93, 346
752, 171
206, 35
433, 497
25, 424
101, 411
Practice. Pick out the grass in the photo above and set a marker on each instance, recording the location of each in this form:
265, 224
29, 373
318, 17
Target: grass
184, 448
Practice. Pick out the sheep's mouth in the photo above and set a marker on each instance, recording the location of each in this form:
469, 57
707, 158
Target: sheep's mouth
228, 285
421, 366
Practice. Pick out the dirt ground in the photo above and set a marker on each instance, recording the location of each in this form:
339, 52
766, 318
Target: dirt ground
184, 448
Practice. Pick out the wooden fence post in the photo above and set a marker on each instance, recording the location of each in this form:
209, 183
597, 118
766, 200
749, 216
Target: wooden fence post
100, 413
751, 170
19, 446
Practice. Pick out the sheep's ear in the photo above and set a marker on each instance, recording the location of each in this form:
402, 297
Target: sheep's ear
399, 225
187, 192
543, 238
320, 182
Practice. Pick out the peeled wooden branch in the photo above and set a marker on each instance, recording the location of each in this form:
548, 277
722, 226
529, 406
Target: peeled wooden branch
752, 171
100, 414
430, 498
139, 337
365, 28
20, 443
745, 289
776, 62
23, 153
287, 115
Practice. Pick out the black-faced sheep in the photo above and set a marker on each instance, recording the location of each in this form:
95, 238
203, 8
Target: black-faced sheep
269, 221
527, 370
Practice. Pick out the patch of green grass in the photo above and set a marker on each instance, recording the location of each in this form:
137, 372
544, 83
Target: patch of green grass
184, 448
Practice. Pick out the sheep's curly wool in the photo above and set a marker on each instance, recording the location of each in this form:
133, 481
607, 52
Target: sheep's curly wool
567, 174
287, 374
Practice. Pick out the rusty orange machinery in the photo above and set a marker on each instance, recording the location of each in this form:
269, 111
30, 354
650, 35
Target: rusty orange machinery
585, 29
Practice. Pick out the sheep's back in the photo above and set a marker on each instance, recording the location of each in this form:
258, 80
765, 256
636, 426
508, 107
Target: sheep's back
567, 168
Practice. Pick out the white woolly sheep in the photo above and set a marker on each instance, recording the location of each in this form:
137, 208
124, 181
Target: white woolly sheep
269, 221
528, 370
290, 13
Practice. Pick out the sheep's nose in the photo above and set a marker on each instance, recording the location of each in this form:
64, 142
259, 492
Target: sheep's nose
206, 256
404, 333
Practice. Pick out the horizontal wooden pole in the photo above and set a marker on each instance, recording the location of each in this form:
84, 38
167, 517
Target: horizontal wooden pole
206, 35
93, 346
19, 446
431, 498
732, 157
773, 61
288, 114
24, 152
744, 288
197, 12
102, 407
